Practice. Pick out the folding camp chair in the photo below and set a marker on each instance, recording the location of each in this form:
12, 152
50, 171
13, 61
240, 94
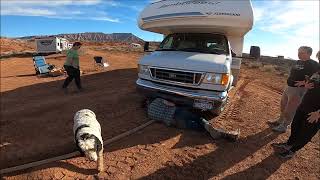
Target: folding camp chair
40, 65
99, 62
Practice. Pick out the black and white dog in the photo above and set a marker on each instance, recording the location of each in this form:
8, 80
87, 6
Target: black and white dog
87, 134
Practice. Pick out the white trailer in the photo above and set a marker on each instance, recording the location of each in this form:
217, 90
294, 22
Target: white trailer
51, 44
198, 60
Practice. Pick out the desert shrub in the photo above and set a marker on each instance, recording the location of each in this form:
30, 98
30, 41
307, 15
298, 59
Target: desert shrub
255, 64
268, 68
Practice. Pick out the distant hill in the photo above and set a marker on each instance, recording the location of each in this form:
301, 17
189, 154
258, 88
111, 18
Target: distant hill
9, 45
96, 37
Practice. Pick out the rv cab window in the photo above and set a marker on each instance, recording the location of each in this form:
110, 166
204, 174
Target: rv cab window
196, 42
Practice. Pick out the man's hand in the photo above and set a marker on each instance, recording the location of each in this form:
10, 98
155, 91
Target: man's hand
300, 83
314, 117
308, 85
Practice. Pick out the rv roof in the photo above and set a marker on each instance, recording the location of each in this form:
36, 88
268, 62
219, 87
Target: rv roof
168, 16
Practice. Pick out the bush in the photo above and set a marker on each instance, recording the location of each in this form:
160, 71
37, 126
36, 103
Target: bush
268, 68
255, 64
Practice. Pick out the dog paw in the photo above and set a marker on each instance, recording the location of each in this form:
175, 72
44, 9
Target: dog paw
101, 175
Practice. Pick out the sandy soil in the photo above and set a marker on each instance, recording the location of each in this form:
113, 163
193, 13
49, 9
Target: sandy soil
36, 123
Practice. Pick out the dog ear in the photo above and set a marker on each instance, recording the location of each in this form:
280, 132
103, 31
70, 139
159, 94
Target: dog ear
79, 149
98, 144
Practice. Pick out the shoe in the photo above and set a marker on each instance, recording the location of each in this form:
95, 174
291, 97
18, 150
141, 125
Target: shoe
65, 90
286, 154
81, 90
275, 122
281, 128
284, 146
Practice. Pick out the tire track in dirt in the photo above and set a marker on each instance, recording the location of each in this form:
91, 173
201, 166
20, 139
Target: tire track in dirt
232, 109
267, 87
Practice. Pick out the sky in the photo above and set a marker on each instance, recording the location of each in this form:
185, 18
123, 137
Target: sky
280, 26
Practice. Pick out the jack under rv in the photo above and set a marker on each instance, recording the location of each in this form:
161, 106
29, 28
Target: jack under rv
199, 59
51, 45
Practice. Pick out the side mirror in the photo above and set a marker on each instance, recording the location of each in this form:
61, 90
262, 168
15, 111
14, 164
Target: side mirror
146, 46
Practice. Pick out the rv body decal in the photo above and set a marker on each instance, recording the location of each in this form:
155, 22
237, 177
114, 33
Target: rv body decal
190, 2
46, 42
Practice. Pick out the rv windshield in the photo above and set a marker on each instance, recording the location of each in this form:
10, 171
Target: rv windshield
195, 42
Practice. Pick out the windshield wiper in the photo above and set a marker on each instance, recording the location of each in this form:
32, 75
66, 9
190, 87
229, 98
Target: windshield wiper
191, 49
202, 51
215, 51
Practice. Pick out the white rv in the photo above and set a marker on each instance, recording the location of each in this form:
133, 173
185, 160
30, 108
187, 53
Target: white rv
51, 45
199, 59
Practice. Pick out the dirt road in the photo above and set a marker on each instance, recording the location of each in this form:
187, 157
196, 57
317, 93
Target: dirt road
36, 123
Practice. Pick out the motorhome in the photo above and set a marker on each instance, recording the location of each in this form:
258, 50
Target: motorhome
199, 59
51, 45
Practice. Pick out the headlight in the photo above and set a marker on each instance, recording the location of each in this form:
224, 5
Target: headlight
219, 79
143, 69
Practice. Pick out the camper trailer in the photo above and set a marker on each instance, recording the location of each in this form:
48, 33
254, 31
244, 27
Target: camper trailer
135, 45
199, 59
51, 45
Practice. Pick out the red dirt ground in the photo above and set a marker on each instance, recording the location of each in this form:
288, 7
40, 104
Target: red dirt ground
36, 123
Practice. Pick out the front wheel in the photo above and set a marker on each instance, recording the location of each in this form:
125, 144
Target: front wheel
218, 110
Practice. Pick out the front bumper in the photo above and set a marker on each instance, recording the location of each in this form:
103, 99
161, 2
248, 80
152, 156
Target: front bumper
179, 95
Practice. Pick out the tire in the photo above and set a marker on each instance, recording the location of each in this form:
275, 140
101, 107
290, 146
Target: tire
255, 51
217, 111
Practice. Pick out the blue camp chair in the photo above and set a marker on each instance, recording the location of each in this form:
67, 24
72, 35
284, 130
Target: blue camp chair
40, 65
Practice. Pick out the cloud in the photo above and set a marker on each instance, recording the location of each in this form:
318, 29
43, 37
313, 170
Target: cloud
291, 15
62, 9
292, 23
28, 11
111, 3
105, 19
48, 2
258, 14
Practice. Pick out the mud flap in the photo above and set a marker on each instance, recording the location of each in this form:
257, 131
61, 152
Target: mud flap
235, 69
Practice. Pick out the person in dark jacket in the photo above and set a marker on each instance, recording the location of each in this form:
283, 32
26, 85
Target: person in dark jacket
172, 115
306, 122
293, 93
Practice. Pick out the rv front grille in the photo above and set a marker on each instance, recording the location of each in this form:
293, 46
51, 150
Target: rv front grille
176, 76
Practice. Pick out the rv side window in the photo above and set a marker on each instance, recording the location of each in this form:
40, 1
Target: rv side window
167, 44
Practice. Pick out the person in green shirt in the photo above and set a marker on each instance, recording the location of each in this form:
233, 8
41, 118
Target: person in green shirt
72, 67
